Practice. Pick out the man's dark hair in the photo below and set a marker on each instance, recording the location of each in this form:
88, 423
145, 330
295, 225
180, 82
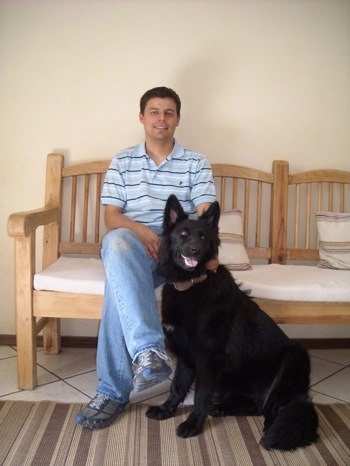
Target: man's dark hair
162, 92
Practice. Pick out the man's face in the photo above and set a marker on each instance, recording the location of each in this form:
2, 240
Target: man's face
160, 118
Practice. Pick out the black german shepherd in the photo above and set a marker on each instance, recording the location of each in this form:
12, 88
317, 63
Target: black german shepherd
241, 361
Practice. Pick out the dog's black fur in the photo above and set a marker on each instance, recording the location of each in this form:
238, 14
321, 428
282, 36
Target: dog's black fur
241, 361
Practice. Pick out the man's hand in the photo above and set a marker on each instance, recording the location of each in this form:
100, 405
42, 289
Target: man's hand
149, 239
114, 218
213, 264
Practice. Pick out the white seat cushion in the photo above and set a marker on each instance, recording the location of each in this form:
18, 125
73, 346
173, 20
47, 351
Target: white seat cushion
296, 283
281, 282
82, 275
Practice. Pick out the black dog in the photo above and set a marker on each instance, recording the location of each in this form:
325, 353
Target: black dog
241, 361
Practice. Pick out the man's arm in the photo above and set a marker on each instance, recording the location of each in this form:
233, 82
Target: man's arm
201, 208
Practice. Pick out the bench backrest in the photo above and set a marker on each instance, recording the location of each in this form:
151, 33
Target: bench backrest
262, 198
76, 189
309, 192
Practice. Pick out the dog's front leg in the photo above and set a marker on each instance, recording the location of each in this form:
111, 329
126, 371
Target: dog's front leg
202, 406
183, 379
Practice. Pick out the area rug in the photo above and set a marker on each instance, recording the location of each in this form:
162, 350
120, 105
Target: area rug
44, 433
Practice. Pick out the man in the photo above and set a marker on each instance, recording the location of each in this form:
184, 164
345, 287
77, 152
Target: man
131, 353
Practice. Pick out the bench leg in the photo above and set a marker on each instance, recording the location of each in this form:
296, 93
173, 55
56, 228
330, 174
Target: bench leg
52, 336
25, 321
26, 353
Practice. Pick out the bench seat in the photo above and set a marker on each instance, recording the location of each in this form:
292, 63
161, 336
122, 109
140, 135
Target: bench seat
270, 281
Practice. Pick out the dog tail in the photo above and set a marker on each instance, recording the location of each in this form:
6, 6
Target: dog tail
294, 426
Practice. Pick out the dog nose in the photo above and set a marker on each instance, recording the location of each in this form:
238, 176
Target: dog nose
194, 250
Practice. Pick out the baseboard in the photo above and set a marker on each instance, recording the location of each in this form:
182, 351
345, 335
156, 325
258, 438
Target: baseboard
91, 342
66, 341
324, 343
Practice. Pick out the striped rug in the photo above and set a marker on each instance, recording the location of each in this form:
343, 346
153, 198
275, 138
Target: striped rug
44, 433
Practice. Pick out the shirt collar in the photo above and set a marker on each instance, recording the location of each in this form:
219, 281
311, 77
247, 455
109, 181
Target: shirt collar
177, 151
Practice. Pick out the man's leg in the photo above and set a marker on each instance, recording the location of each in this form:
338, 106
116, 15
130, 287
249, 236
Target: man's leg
130, 329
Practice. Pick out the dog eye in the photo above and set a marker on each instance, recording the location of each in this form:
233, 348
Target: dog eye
184, 234
202, 237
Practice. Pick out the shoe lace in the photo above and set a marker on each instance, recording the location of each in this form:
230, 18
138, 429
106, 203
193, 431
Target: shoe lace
146, 358
98, 401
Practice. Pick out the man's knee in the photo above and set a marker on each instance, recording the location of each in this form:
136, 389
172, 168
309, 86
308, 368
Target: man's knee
120, 241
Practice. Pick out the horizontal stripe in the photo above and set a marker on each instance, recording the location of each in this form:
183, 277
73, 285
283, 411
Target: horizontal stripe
340, 247
337, 217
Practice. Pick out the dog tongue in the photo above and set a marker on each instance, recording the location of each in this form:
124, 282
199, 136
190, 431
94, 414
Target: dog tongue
190, 262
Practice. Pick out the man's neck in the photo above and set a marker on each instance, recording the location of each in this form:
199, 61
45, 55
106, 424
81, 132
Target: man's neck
158, 151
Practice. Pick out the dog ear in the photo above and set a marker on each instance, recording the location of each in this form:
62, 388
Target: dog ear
212, 215
173, 212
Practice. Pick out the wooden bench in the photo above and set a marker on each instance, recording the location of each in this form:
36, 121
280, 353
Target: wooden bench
72, 225
295, 242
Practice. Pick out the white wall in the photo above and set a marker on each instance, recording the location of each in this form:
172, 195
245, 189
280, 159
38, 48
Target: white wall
259, 80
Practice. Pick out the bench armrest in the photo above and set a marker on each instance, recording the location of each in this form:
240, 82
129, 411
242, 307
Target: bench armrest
24, 223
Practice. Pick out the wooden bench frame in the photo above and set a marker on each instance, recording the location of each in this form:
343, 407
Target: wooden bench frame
262, 196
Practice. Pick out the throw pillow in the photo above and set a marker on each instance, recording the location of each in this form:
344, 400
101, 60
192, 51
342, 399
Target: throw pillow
232, 252
334, 234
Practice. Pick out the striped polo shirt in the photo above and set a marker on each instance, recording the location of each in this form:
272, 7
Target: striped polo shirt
136, 184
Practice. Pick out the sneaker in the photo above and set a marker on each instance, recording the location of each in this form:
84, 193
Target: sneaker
152, 367
100, 412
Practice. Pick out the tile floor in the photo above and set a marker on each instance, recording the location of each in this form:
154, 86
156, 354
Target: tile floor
71, 377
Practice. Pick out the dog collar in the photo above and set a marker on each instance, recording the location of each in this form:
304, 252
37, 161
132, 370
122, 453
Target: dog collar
187, 284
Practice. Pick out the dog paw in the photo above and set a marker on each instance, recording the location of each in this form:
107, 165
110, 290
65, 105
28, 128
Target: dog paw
186, 429
216, 412
159, 413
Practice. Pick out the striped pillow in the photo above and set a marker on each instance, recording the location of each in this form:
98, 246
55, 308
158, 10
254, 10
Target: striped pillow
334, 233
232, 252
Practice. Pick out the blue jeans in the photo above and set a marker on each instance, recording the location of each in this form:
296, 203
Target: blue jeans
130, 321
